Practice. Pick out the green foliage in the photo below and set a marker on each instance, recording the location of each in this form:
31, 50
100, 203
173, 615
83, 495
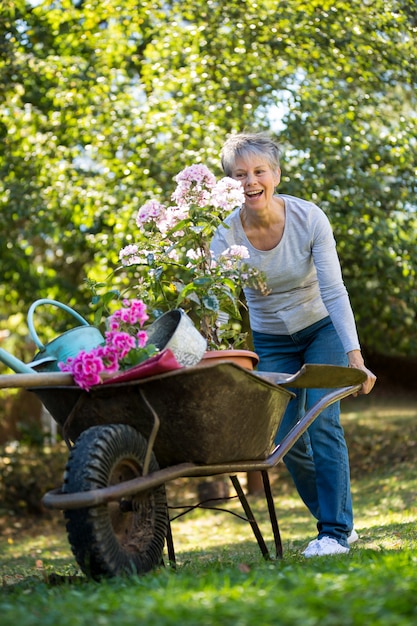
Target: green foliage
103, 102
27, 471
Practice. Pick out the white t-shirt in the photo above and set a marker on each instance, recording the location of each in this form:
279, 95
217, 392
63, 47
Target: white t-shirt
303, 274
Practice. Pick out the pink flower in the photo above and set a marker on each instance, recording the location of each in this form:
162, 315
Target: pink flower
173, 255
227, 194
109, 358
129, 255
113, 323
196, 173
86, 368
149, 212
142, 338
194, 255
121, 343
236, 252
171, 217
133, 312
66, 367
138, 312
194, 186
185, 195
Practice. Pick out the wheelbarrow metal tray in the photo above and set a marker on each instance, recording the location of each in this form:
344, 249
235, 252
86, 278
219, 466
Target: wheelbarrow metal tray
209, 414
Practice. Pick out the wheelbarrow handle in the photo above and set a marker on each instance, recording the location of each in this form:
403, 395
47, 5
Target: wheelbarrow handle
62, 306
315, 376
35, 380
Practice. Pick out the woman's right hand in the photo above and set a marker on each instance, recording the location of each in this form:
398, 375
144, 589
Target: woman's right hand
356, 360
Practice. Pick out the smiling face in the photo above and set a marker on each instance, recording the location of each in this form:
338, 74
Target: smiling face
258, 180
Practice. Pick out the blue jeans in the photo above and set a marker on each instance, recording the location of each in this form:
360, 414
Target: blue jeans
318, 462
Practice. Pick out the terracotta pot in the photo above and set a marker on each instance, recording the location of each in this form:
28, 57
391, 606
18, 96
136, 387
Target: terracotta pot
244, 358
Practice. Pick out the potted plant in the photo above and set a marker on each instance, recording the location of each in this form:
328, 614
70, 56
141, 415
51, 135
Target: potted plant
125, 346
168, 264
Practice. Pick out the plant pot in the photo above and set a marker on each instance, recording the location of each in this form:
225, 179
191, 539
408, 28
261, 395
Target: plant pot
175, 330
244, 358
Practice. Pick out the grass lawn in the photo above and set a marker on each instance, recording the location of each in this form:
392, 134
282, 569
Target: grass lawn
221, 578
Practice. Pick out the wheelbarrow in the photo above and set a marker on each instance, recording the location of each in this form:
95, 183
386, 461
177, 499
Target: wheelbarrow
128, 439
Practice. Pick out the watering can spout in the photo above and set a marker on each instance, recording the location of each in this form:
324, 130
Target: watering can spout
15, 364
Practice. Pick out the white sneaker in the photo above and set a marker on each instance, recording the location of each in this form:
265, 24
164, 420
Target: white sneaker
352, 537
324, 547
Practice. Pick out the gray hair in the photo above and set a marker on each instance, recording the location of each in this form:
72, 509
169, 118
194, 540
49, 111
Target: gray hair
241, 144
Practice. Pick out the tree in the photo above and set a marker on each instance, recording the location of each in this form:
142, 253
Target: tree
104, 102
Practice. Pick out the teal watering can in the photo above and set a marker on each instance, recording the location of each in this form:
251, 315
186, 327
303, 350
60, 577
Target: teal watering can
69, 344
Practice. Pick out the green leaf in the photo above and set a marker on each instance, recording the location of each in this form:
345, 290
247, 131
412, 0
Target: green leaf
211, 303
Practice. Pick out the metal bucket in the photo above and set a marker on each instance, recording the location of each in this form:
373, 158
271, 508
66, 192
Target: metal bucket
69, 344
176, 331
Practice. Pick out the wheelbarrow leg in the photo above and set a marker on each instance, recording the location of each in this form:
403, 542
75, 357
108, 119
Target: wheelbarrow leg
170, 546
272, 514
250, 516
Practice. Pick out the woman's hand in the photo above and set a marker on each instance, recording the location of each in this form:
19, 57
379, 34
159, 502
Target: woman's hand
356, 360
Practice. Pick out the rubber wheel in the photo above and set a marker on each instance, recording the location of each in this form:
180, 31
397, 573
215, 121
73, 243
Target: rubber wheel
120, 537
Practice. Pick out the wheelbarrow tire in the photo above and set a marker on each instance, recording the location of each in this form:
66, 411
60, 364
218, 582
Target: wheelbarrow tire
125, 537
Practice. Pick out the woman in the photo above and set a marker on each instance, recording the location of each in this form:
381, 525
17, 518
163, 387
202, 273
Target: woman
306, 318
